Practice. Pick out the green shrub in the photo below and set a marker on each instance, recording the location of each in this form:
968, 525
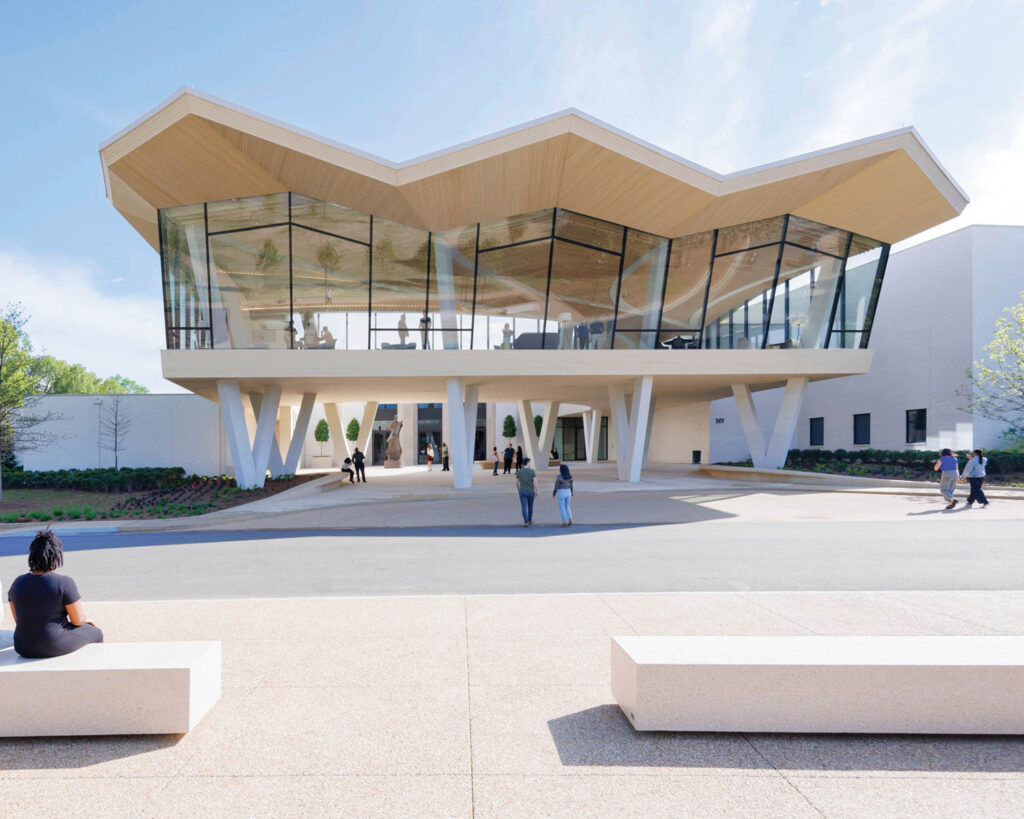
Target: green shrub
99, 480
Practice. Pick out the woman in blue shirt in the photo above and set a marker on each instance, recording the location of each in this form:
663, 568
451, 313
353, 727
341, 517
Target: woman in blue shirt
949, 469
974, 474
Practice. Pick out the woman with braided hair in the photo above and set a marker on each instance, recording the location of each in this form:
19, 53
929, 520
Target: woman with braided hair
49, 619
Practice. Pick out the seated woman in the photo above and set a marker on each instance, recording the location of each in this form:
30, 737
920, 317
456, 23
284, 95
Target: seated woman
49, 619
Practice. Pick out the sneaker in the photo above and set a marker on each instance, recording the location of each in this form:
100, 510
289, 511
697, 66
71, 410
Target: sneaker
984, 504
969, 504
951, 504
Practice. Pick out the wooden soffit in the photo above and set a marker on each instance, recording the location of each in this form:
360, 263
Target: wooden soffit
195, 148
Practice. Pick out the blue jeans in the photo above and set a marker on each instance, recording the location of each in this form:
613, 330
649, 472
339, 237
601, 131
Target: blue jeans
495, 472
526, 501
564, 496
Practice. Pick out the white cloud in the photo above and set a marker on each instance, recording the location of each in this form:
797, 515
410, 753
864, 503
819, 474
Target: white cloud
73, 320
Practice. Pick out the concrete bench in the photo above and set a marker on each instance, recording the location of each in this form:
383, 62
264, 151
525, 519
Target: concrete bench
109, 688
898, 685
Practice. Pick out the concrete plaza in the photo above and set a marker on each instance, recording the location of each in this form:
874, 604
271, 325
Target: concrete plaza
429, 694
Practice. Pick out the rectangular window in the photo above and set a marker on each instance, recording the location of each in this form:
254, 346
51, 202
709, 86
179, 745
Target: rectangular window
817, 432
917, 426
862, 429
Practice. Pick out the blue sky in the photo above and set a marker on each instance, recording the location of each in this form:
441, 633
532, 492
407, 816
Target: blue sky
727, 84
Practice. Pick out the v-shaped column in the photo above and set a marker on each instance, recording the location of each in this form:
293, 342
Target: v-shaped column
296, 435
538, 447
772, 456
630, 426
251, 458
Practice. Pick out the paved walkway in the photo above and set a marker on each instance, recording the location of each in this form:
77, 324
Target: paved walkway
501, 707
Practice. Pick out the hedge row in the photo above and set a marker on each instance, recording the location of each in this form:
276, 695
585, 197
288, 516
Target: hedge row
1000, 461
98, 480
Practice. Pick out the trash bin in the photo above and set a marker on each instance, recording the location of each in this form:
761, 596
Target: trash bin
696, 456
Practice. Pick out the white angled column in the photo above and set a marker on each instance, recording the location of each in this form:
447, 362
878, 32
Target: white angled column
547, 434
340, 448
748, 420
284, 425
527, 430
366, 427
298, 437
772, 456
237, 432
785, 422
462, 474
650, 427
591, 433
618, 426
639, 417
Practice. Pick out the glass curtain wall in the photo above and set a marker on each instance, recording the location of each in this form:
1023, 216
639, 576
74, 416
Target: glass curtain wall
291, 272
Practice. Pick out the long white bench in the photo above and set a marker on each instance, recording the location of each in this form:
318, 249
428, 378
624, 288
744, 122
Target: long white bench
109, 688
900, 685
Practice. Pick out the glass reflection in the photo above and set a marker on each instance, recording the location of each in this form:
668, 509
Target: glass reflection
289, 271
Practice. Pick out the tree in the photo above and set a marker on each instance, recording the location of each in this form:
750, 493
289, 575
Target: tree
20, 381
61, 378
322, 433
996, 384
352, 430
114, 428
509, 430
538, 423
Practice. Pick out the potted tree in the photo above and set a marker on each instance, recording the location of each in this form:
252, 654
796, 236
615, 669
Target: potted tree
322, 434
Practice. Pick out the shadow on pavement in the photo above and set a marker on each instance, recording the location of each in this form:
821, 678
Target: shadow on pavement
57, 753
666, 511
602, 736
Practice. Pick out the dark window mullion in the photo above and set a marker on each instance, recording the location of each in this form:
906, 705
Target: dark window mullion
291, 295
336, 235
775, 282
618, 286
476, 266
254, 227
707, 286
876, 289
547, 289
839, 289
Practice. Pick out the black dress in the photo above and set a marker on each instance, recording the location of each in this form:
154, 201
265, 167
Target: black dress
43, 628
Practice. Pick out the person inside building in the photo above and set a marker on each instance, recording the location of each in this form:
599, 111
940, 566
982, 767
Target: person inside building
403, 330
49, 619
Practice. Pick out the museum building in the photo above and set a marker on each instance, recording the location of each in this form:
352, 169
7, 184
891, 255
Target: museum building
562, 266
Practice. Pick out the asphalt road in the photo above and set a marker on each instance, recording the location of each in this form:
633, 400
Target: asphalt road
921, 554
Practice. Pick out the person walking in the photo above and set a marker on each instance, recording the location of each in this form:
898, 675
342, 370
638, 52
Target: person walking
359, 461
949, 469
974, 474
444, 458
509, 455
496, 459
430, 457
563, 494
526, 485
519, 459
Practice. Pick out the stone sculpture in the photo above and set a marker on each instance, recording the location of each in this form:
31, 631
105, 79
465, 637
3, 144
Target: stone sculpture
393, 458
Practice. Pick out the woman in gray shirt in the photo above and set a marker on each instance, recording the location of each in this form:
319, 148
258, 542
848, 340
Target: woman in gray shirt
974, 474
